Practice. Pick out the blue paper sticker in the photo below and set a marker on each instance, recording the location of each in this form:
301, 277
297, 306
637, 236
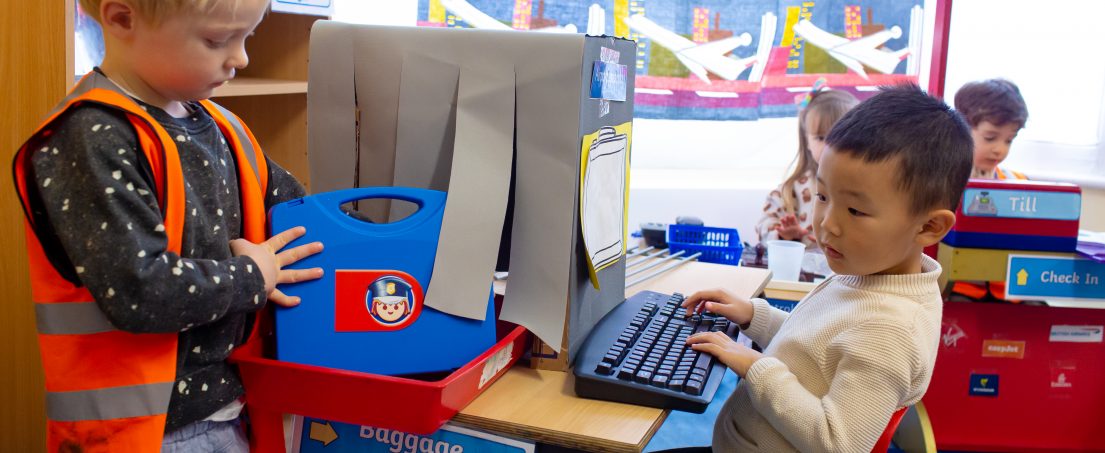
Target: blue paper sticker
984, 385
1054, 277
608, 81
1022, 204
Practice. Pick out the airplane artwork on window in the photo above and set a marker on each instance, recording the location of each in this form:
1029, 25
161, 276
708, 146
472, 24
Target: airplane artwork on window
726, 59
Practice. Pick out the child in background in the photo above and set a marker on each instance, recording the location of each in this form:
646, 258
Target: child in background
996, 112
788, 212
863, 344
146, 212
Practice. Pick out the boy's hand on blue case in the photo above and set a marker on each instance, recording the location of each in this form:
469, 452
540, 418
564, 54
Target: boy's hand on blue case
734, 355
272, 263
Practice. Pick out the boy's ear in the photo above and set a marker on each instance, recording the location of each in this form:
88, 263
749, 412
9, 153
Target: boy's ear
937, 224
117, 17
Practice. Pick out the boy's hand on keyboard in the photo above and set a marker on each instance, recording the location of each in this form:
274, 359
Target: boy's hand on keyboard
722, 302
736, 356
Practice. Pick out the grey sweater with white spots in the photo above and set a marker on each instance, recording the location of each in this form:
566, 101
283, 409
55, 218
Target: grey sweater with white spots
97, 193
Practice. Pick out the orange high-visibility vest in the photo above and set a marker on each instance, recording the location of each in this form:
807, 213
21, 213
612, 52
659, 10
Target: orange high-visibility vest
1002, 175
108, 390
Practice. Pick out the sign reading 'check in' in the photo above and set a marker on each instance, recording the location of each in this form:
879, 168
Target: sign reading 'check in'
1054, 277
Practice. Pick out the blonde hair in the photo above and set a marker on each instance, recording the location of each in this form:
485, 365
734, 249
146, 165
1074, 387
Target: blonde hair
829, 106
153, 11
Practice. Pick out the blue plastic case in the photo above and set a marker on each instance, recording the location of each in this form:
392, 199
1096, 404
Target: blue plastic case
366, 313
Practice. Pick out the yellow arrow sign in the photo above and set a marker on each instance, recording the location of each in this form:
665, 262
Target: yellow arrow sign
1022, 277
323, 433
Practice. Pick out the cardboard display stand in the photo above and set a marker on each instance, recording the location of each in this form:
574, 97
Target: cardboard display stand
460, 111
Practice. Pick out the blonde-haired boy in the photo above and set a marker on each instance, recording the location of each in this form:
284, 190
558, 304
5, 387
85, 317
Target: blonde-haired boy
145, 208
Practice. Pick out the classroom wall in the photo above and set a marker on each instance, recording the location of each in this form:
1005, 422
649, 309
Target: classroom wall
1093, 209
719, 171
33, 69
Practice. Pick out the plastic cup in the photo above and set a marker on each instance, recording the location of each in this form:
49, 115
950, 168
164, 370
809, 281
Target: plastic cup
784, 259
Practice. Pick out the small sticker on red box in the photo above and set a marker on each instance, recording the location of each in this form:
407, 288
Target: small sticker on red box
495, 364
1076, 334
1003, 349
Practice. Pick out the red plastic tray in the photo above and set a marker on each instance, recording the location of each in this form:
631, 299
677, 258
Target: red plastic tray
274, 388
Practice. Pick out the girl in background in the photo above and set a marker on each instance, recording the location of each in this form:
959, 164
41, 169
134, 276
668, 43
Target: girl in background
788, 212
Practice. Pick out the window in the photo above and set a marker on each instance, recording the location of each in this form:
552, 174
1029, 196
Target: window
1048, 50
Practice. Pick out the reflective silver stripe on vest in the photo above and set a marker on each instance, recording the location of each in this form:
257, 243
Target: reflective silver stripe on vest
88, 83
243, 138
71, 318
109, 403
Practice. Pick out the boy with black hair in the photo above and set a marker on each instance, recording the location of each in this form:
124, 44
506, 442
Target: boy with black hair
996, 112
863, 343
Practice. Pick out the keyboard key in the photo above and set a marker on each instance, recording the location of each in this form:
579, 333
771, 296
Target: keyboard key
625, 374
676, 384
643, 377
703, 361
693, 388
660, 381
604, 369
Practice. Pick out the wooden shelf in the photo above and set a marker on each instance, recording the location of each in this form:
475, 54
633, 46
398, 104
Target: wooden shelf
253, 86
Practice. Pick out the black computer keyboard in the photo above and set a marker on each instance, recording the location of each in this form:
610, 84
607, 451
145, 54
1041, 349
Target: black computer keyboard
638, 354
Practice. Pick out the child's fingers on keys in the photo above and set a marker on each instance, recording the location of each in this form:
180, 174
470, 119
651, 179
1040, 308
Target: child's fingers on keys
695, 301
279, 298
295, 254
280, 240
299, 275
716, 308
705, 337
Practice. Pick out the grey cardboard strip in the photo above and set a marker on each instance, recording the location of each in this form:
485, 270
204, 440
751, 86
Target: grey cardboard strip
379, 71
545, 231
425, 133
479, 184
331, 107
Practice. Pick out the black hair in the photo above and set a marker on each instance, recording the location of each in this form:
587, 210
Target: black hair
998, 101
930, 141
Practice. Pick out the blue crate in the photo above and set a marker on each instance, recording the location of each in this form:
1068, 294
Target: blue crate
718, 245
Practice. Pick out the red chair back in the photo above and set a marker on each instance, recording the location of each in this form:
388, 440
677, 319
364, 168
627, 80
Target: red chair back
884, 441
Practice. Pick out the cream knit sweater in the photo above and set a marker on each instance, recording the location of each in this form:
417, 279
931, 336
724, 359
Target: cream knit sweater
850, 354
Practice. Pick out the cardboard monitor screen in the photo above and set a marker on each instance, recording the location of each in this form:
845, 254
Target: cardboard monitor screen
462, 111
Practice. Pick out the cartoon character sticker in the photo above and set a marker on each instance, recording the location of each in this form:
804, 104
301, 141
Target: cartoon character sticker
375, 300
389, 300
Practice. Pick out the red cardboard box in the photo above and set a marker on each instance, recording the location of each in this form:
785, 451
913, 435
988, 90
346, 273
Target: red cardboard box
1019, 378
1017, 215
